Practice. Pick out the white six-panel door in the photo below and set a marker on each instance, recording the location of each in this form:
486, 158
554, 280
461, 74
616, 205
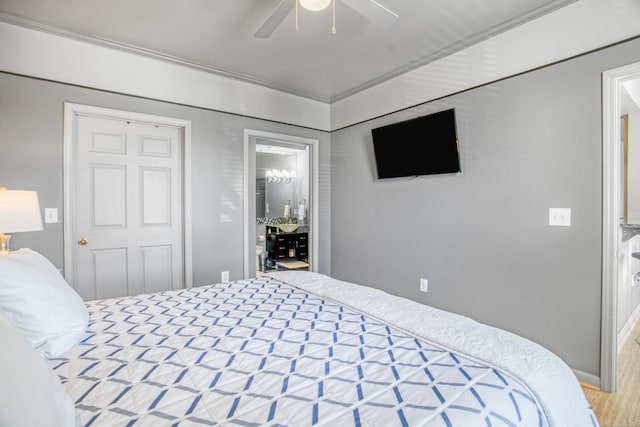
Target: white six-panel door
126, 207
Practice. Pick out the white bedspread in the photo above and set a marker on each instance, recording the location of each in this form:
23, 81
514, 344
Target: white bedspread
302, 349
548, 377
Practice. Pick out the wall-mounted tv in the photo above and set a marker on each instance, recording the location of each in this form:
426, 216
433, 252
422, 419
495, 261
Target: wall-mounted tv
422, 146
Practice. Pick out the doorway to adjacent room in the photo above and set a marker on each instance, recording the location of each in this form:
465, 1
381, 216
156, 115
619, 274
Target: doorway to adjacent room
281, 171
615, 83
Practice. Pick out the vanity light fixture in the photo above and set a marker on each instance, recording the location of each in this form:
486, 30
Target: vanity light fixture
284, 176
19, 211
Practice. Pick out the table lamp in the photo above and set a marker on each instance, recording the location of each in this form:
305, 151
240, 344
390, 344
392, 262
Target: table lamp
19, 211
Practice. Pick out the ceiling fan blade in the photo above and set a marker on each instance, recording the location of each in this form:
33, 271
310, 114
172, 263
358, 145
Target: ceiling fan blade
275, 19
374, 11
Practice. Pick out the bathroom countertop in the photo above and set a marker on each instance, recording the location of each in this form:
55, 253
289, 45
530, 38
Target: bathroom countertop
629, 230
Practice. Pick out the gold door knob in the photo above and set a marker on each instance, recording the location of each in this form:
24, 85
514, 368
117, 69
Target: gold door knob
82, 241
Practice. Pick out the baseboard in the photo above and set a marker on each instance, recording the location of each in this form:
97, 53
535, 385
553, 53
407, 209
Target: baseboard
588, 380
624, 332
589, 386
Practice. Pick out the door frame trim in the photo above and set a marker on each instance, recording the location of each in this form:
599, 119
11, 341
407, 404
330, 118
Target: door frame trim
71, 111
612, 81
250, 175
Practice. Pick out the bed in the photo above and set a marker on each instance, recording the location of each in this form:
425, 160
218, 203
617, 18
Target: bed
300, 349
293, 348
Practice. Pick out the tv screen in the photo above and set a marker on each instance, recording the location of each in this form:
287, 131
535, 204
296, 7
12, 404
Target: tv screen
422, 146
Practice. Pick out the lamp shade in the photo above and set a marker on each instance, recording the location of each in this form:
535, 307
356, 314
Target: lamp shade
19, 211
315, 5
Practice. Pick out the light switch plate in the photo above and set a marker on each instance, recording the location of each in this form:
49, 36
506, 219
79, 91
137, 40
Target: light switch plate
50, 215
560, 216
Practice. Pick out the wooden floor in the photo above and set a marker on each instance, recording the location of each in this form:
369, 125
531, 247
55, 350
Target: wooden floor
621, 409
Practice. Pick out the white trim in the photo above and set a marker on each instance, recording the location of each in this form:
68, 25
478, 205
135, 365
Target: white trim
249, 175
72, 110
187, 214
611, 85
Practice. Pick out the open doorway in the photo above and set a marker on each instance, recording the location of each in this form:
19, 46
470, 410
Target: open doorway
619, 87
280, 225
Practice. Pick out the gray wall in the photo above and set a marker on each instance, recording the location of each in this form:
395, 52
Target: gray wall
31, 121
482, 237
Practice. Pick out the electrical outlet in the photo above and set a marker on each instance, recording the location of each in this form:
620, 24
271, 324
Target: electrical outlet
224, 277
560, 216
50, 215
424, 285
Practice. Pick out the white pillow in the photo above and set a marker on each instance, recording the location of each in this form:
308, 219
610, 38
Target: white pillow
30, 392
37, 299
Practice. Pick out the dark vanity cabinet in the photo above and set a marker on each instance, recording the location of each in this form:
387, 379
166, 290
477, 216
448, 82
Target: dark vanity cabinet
287, 251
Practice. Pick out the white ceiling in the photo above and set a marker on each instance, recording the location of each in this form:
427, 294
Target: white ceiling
217, 35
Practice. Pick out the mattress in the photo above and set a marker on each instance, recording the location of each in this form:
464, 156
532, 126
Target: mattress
301, 349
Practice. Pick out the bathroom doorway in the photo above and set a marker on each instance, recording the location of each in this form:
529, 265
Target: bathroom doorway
614, 83
282, 172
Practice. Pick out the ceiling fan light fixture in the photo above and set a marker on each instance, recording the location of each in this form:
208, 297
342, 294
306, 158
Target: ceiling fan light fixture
315, 5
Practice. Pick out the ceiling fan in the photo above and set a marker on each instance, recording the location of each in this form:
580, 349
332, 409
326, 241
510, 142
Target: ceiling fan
370, 9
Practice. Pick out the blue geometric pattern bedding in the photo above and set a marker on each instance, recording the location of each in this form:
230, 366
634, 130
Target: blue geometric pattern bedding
260, 352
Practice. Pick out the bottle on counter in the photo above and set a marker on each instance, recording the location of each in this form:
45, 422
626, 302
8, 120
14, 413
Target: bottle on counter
287, 209
301, 211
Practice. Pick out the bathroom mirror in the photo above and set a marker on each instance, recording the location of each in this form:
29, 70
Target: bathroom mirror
631, 169
271, 198
630, 151
281, 177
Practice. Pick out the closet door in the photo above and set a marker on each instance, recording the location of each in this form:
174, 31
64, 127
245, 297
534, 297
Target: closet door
126, 207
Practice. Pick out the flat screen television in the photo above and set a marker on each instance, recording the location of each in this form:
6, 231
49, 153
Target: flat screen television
422, 146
